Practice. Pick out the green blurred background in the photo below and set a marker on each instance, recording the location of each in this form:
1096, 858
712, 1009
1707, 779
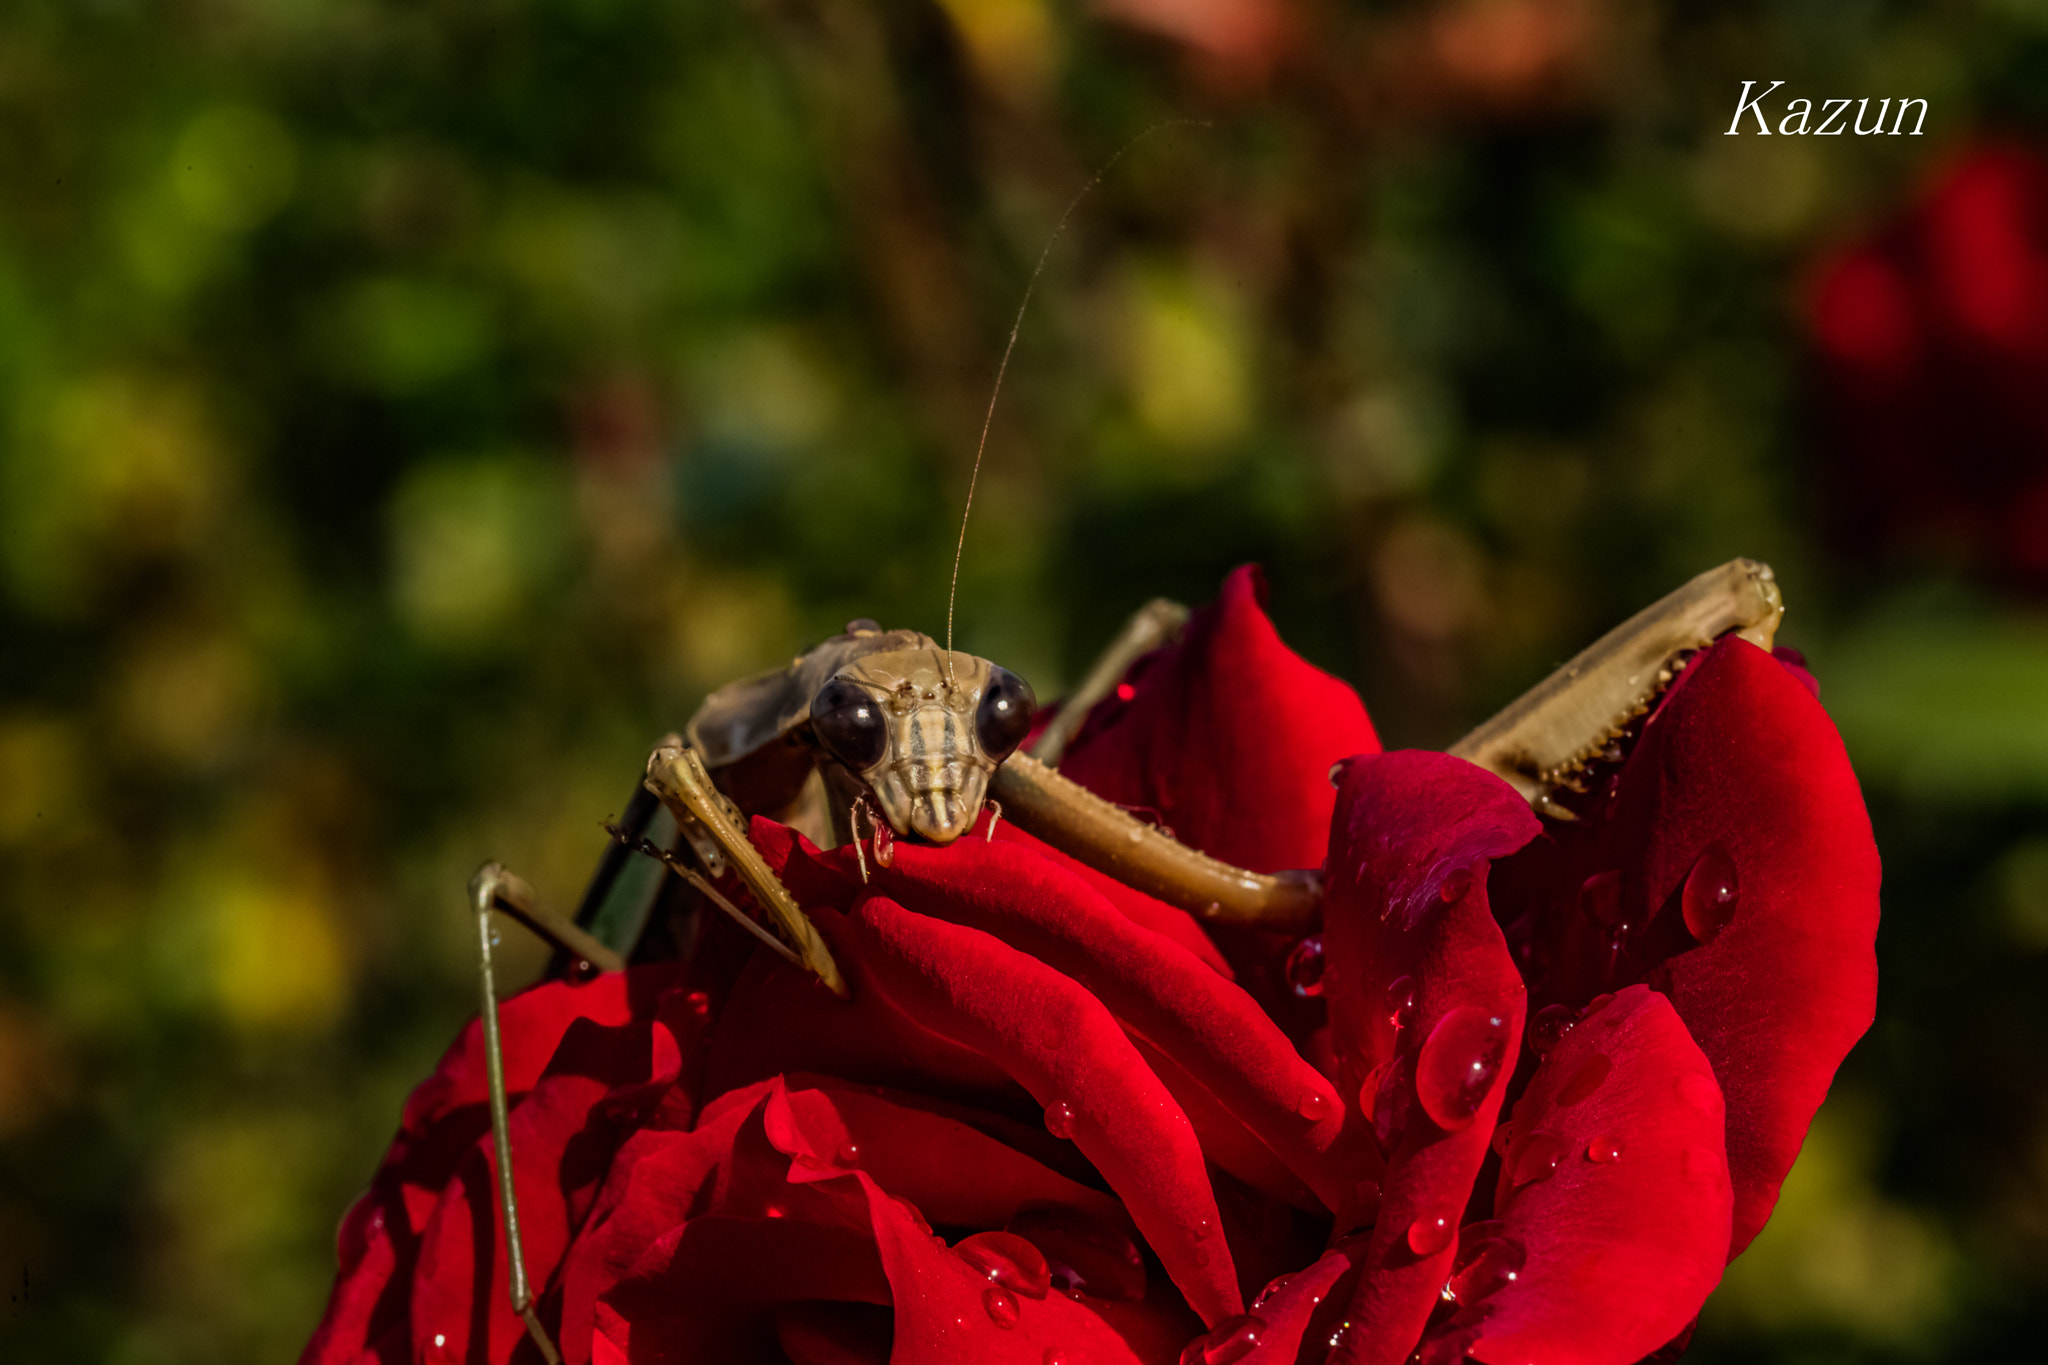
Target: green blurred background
409, 408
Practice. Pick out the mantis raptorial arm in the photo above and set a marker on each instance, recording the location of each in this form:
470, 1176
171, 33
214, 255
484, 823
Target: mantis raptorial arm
1545, 737
1106, 837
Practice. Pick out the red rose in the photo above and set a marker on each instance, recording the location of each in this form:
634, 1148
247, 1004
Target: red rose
1932, 336
1051, 1125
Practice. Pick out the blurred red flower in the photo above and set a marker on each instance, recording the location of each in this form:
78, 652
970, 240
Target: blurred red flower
1050, 1125
1932, 339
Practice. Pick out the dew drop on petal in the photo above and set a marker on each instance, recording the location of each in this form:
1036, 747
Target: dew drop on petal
1711, 893
1458, 1064
1401, 1001
1583, 1082
697, 1003
1600, 898
1001, 1307
1124, 691
1053, 1356
1455, 884
1305, 967
1313, 1105
1059, 1119
1535, 1157
1595, 1005
848, 1153
1699, 1092
1604, 1149
1083, 1252
1549, 1026
1503, 1137
1427, 1236
1227, 1343
1273, 1287
1488, 1261
1008, 1262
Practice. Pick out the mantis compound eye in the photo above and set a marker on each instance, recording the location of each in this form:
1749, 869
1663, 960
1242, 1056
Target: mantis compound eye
848, 722
1005, 715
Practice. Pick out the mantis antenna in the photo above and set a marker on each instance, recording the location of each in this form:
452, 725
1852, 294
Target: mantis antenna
1002, 368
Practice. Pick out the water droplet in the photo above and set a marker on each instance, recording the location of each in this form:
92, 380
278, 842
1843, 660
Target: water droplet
1001, 1307
911, 1212
1008, 1262
1604, 1149
496, 938
1273, 1287
1053, 1356
1202, 1256
1595, 1005
1458, 1064
1059, 1119
1401, 1002
1428, 1236
1600, 898
1549, 1027
583, 971
1305, 967
1488, 1261
1699, 1091
774, 1211
1711, 894
1082, 1252
1313, 1105
848, 1153
1228, 1342
698, 1003
1585, 1080
1124, 691
1534, 1158
1455, 884
1503, 1138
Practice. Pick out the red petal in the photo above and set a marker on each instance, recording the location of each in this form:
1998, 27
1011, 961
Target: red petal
1229, 735
1620, 1253
1168, 921
1062, 1046
1211, 1029
1409, 858
1739, 763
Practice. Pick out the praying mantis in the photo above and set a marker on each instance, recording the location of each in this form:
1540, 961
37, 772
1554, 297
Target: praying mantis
921, 740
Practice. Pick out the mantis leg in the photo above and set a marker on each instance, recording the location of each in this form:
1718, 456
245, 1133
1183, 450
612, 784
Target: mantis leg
493, 888
1108, 838
1539, 742
1152, 625
677, 775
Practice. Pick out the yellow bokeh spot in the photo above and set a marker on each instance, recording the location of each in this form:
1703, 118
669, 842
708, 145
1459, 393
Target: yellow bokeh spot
1011, 42
278, 957
234, 167
1190, 376
40, 759
1837, 1254
471, 541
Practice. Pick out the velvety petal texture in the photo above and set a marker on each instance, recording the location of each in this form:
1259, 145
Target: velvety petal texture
1227, 736
1730, 864
1612, 1209
1426, 1013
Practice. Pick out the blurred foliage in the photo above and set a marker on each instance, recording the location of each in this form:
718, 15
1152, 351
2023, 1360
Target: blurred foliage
409, 409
